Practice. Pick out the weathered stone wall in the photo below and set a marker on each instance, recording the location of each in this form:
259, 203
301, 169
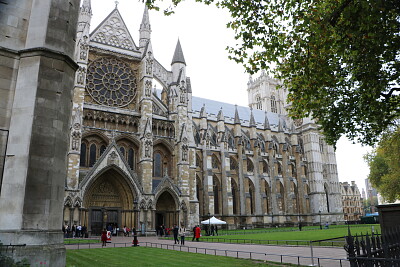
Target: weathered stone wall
37, 41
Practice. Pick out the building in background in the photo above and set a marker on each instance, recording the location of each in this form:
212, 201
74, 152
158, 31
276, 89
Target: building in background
372, 197
352, 202
144, 157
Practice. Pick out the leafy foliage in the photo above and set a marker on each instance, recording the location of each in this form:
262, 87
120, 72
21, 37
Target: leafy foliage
384, 164
339, 59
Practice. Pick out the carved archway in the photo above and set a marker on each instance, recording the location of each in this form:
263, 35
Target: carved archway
166, 210
109, 201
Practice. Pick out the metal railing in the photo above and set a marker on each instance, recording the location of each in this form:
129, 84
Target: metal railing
282, 258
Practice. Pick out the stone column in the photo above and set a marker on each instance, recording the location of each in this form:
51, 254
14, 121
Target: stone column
42, 38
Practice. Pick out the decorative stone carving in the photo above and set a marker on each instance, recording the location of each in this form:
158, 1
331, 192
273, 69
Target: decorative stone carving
76, 140
80, 78
149, 64
147, 149
111, 82
84, 47
147, 88
184, 152
113, 158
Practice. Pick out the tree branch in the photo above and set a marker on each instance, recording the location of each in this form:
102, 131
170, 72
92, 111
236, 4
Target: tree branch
336, 14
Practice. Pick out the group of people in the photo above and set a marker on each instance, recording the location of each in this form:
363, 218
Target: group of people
74, 231
181, 232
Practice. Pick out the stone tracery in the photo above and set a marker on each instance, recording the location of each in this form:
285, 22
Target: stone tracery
111, 82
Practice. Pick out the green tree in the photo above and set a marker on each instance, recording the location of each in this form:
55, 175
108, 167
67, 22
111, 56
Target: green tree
384, 165
339, 59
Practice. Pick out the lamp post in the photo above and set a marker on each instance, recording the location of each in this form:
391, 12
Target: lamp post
209, 226
320, 225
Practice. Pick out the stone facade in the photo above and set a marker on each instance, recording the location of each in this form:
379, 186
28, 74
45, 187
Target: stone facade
37, 42
352, 201
143, 157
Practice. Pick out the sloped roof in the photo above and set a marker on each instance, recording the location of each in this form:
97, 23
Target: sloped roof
213, 107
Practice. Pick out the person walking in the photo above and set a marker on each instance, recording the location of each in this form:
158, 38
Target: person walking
104, 238
194, 232
176, 232
182, 233
197, 233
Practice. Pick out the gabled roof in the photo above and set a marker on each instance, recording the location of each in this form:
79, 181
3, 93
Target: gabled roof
112, 31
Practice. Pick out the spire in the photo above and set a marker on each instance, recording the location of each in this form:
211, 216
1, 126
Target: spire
252, 120
220, 116
237, 119
145, 28
178, 55
266, 122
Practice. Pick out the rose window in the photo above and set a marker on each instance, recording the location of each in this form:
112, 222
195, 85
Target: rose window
111, 82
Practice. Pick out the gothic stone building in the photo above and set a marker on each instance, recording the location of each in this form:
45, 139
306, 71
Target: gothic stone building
143, 157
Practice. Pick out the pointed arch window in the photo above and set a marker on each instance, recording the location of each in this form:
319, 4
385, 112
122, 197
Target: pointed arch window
214, 162
233, 164
321, 145
122, 149
157, 169
216, 189
131, 158
273, 105
258, 102
92, 155
250, 166
235, 196
198, 161
83, 155
265, 167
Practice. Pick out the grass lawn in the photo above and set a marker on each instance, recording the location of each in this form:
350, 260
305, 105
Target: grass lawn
147, 257
307, 234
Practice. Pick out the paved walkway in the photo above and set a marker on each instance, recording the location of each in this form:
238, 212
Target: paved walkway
323, 256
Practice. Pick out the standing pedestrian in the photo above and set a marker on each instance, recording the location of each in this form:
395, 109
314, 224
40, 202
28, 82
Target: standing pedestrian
104, 238
182, 233
176, 232
194, 232
197, 233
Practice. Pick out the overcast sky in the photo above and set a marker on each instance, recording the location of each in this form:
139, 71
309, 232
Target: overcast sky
203, 35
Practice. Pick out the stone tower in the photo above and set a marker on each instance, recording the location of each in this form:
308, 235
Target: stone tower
37, 44
266, 94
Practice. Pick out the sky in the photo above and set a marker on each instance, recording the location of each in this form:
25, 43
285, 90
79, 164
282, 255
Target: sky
203, 36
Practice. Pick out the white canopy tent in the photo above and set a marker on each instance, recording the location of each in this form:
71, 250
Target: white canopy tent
213, 220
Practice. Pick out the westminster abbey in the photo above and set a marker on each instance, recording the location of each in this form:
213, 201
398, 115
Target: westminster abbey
143, 156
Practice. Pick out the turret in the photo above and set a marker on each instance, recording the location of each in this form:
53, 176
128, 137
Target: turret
253, 126
237, 127
178, 62
82, 34
145, 28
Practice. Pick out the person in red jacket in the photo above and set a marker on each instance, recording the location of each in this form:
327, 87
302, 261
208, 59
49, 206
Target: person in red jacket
104, 237
197, 232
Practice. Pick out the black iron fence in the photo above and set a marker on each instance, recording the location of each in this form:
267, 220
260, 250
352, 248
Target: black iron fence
374, 250
282, 258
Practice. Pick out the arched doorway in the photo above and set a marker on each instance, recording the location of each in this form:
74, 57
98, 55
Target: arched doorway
109, 201
166, 210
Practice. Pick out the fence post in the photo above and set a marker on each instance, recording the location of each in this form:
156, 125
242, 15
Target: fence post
312, 254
